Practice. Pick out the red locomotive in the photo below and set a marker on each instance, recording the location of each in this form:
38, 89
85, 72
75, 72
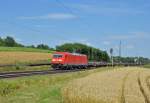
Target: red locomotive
65, 60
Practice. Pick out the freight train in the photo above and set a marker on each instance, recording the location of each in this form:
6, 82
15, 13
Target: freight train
65, 60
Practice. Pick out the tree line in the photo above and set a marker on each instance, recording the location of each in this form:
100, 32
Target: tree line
11, 42
137, 60
93, 54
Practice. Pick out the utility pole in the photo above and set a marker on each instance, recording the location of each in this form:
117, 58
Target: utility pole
120, 51
74, 50
91, 52
111, 53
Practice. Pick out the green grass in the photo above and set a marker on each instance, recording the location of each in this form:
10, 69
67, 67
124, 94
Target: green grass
24, 49
38, 89
147, 66
19, 68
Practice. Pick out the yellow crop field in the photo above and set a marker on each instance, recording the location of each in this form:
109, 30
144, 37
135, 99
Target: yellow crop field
23, 57
126, 85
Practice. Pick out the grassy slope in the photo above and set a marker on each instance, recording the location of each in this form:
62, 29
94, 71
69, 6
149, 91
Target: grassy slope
37, 89
22, 55
24, 49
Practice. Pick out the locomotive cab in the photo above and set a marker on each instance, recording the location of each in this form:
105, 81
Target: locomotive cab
57, 60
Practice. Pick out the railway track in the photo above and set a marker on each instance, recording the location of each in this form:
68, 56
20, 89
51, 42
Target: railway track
31, 73
13, 65
91, 64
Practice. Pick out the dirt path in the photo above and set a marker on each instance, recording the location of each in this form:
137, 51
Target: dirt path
123, 88
142, 89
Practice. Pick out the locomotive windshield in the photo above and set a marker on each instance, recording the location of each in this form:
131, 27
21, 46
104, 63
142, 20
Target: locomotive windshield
57, 56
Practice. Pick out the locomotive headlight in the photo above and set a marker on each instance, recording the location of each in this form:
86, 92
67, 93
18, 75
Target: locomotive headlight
59, 60
53, 59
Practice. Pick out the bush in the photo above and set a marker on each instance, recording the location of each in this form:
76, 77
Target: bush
42, 46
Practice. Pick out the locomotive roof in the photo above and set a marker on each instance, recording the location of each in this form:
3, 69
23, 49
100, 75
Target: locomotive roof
69, 53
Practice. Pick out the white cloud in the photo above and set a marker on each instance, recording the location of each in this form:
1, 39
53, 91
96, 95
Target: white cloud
18, 40
38, 26
107, 9
129, 46
50, 16
83, 41
131, 35
44, 26
106, 43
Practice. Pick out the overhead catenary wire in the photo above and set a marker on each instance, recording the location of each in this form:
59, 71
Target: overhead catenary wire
26, 27
64, 6
69, 10
21, 26
29, 28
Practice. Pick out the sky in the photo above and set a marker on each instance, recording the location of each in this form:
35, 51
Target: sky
99, 23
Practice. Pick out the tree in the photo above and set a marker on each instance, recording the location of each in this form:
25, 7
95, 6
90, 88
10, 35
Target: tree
10, 42
1, 42
30, 46
42, 46
132, 60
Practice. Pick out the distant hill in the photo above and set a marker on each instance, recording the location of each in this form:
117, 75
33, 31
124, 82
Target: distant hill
11, 42
24, 49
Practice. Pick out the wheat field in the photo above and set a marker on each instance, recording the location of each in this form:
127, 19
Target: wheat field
125, 85
23, 57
